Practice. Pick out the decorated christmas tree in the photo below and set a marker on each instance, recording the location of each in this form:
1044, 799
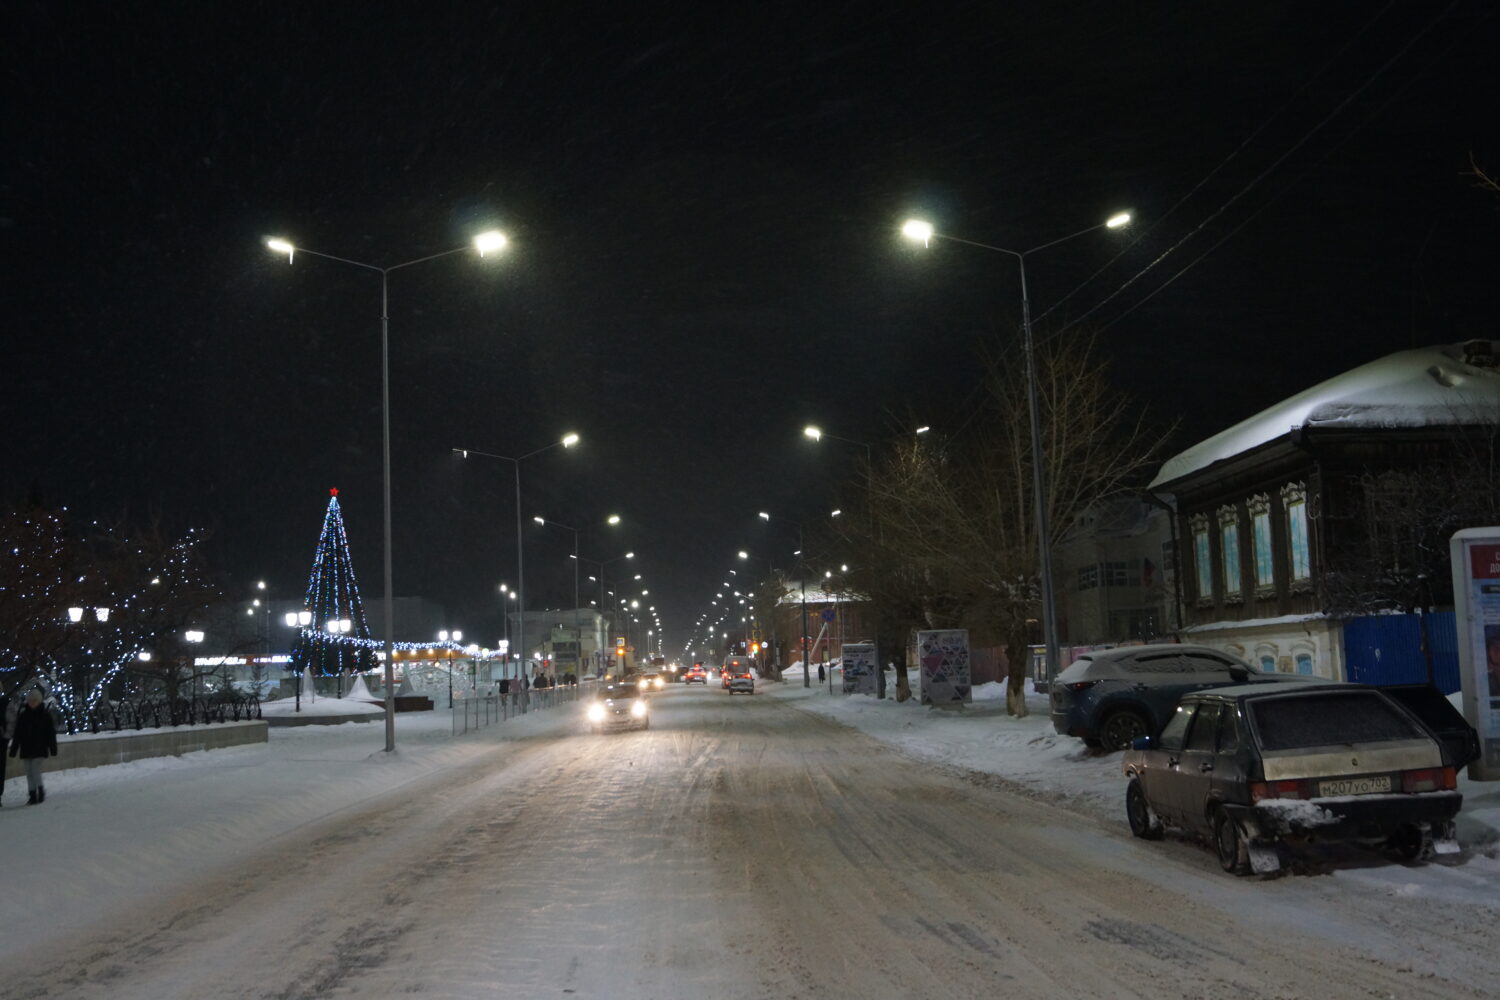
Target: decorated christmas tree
337, 639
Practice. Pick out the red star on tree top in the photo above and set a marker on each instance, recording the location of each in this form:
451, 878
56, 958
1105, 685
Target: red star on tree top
334, 491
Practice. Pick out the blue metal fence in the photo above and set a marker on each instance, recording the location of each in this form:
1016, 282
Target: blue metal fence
1387, 649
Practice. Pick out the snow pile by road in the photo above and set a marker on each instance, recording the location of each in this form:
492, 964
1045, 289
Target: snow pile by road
980, 737
320, 707
108, 837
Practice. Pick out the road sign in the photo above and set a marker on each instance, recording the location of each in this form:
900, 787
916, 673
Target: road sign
829, 614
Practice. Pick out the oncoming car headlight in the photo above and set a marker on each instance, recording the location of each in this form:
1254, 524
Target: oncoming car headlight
638, 709
596, 713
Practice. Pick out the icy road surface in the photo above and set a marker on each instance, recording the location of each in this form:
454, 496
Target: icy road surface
740, 848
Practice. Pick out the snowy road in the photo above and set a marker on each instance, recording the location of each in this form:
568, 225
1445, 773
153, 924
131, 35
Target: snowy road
741, 848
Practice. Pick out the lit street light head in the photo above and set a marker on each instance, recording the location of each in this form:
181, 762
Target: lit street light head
1118, 221
764, 516
918, 231
539, 519
613, 519
490, 242
813, 432
569, 440
278, 245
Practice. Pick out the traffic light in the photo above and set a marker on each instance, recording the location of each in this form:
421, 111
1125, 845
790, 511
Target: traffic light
755, 648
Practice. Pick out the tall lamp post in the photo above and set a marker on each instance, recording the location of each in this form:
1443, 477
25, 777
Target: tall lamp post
801, 582
816, 433
577, 626
484, 243
603, 564
444, 636
568, 441
923, 232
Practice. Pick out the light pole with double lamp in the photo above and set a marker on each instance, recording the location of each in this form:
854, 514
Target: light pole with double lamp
485, 243
603, 564
613, 519
567, 441
924, 233
801, 582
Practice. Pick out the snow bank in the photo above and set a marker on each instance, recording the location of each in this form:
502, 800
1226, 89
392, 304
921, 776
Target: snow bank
980, 737
320, 707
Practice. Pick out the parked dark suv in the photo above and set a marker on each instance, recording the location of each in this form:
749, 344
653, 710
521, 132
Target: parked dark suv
1257, 766
1110, 697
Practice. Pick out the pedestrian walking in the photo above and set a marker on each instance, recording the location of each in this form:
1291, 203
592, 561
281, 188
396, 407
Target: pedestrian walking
33, 740
7, 720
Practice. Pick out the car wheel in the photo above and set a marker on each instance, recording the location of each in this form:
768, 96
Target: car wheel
1122, 727
1412, 842
1143, 822
1229, 844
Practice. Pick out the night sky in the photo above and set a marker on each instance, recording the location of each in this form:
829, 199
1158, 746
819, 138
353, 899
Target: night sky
703, 203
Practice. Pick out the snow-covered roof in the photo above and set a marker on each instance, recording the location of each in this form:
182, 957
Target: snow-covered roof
1425, 387
817, 595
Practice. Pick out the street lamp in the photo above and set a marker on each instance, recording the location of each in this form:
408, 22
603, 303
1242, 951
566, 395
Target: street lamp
568, 441
444, 636
485, 243
802, 583
923, 232
577, 626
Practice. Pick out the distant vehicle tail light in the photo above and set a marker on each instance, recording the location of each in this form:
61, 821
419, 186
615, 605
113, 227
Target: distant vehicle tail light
1080, 685
1289, 789
1430, 779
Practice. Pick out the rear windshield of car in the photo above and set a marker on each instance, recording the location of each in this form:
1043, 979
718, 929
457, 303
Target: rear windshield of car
1332, 718
620, 691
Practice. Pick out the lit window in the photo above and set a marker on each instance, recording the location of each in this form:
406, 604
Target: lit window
1294, 496
1229, 550
1202, 560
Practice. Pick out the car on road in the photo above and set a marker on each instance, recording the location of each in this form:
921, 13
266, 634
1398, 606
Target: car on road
739, 677
651, 682
1257, 767
619, 706
1110, 697
695, 675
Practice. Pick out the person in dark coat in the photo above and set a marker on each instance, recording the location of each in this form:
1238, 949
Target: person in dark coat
34, 739
5, 723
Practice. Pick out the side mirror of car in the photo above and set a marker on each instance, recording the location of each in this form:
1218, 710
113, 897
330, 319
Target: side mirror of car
1141, 743
1239, 674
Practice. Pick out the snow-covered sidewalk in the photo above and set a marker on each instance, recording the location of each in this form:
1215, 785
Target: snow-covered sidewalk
1029, 753
108, 836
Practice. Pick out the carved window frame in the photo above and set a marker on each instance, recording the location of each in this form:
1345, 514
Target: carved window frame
1233, 583
1293, 497
1203, 558
1263, 557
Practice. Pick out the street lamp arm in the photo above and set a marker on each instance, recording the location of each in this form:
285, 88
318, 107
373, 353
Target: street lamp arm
423, 260
1073, 236
484, 454
343, 260
1017, 253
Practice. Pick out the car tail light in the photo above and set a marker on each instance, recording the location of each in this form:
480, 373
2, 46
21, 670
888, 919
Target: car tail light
1289, 789
1430, 779
1080, 685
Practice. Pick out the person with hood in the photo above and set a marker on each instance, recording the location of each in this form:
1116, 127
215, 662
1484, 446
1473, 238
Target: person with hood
33, 740
7, 718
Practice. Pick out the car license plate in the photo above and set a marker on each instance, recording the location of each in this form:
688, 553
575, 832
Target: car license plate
1355, 786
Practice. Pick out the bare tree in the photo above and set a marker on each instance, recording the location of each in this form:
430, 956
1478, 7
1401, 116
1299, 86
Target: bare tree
948, 539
